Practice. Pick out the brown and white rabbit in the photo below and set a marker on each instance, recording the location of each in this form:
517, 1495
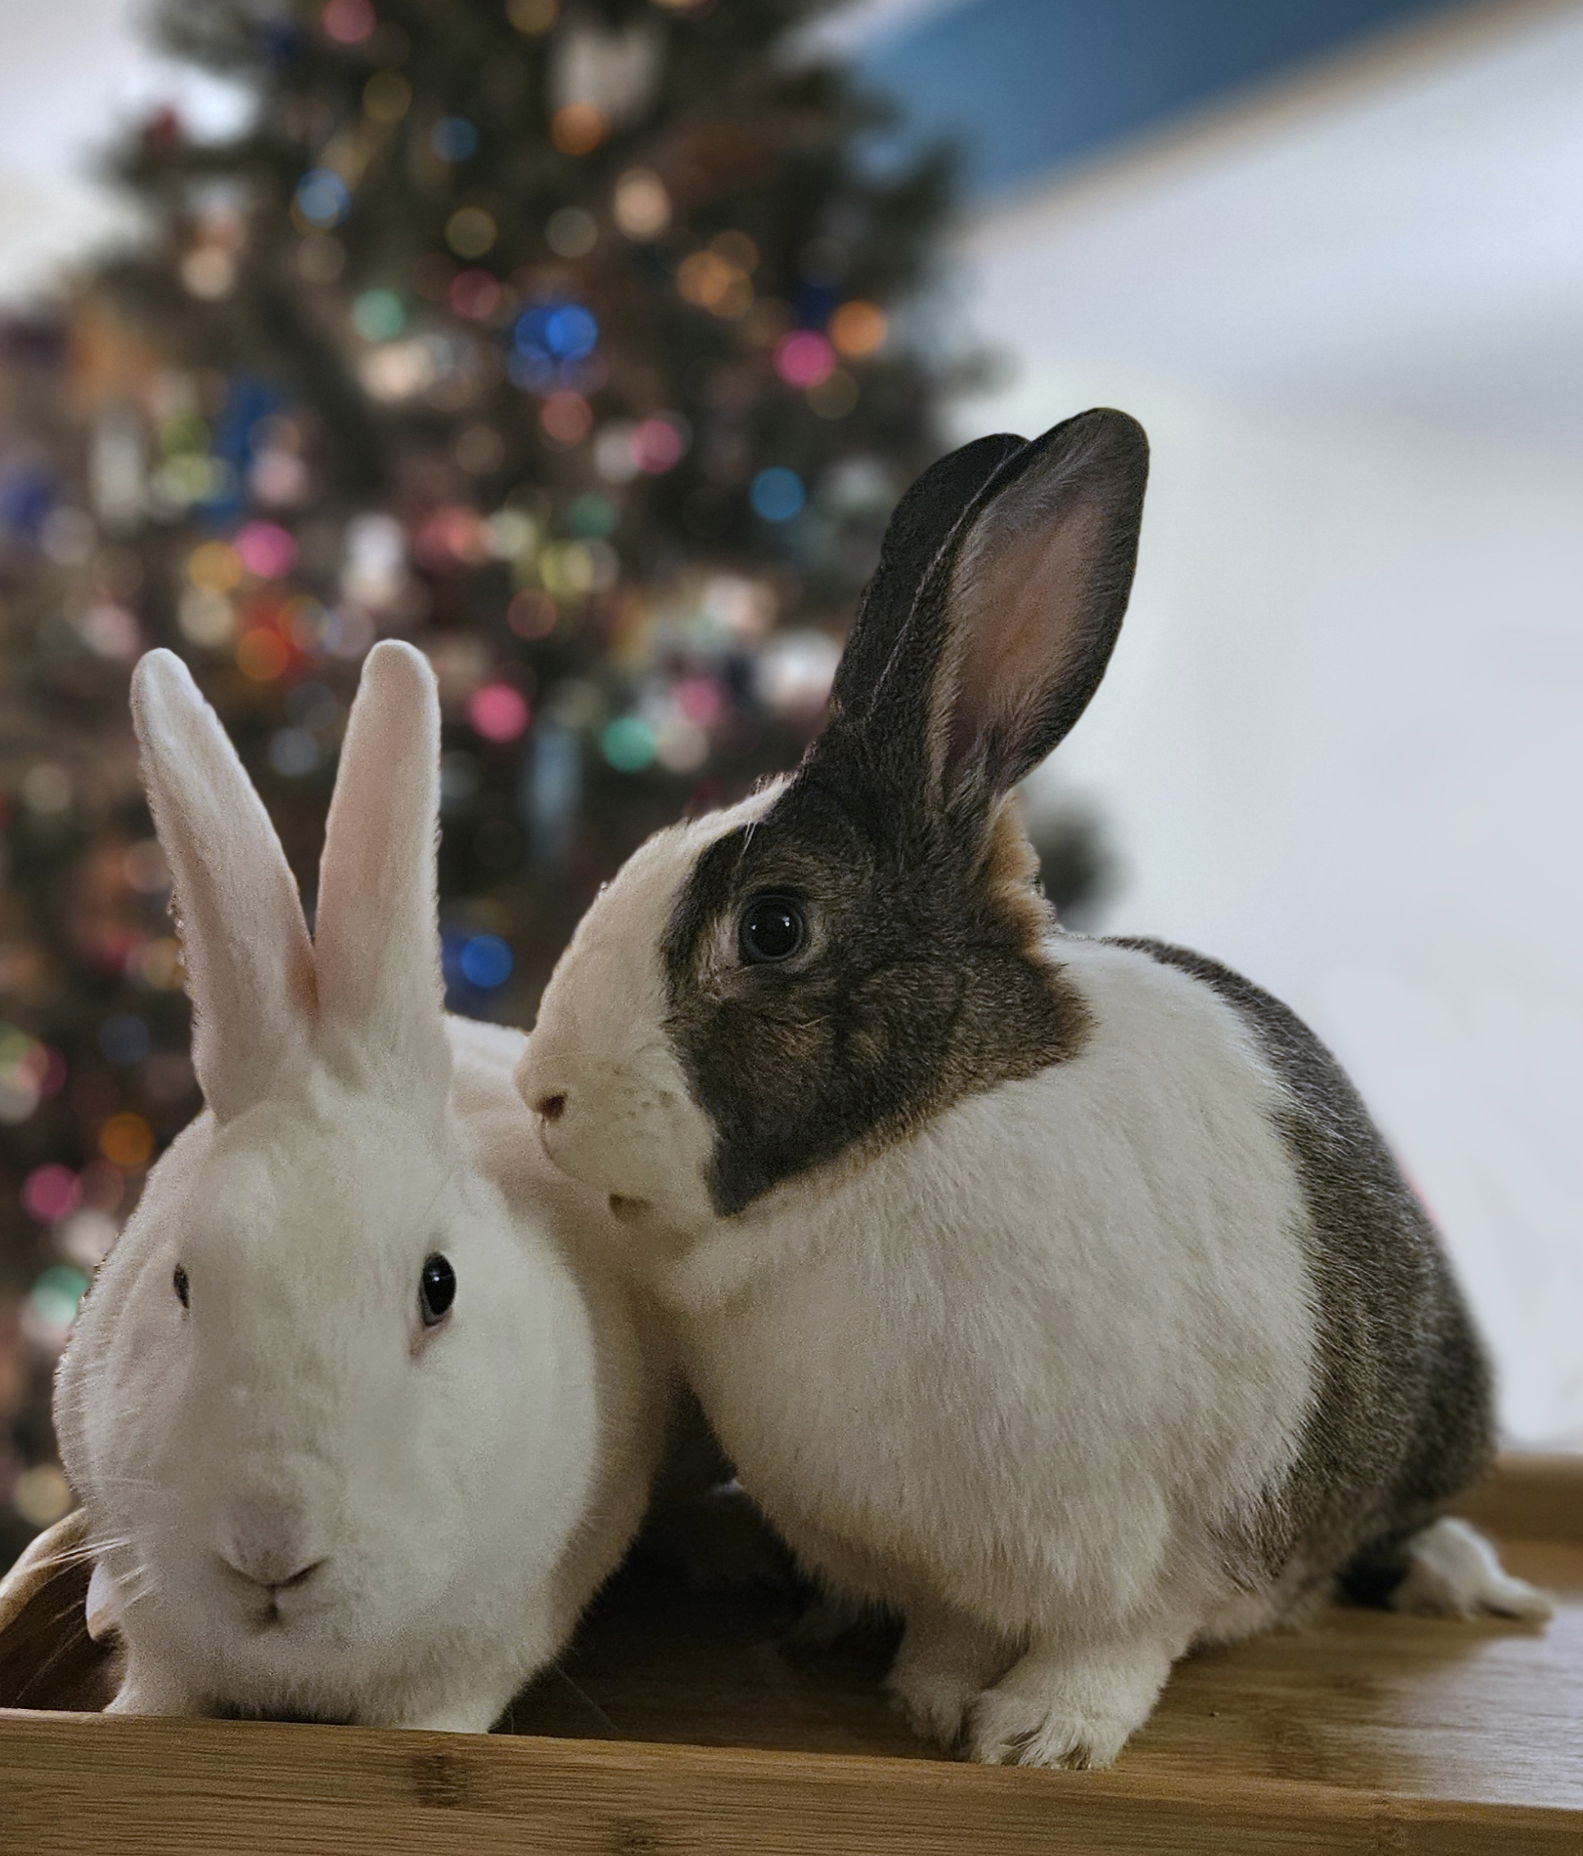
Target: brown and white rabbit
356, 1433
1057, 1292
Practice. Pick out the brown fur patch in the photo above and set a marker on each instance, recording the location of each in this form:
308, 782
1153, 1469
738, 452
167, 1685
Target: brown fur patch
1011, 875
1401, 1420
926, 979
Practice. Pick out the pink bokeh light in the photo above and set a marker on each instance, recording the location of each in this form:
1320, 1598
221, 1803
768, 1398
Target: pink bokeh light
498, 712
50, 1193
266, 549
657, 446
804, 358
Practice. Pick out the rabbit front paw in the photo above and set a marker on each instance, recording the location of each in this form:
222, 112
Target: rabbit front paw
1066, 1708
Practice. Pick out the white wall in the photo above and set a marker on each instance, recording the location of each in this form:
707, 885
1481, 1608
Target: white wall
76, 74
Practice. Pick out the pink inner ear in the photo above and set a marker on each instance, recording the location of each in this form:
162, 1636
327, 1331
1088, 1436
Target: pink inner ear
1023, 591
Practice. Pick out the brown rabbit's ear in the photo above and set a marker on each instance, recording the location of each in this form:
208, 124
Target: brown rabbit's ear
1012, 627
1034, 599
921, 525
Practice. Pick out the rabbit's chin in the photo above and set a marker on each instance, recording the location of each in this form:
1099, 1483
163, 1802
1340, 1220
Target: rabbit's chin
292, 1656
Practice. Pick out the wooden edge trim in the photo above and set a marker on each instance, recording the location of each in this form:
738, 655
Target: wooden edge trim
97, 1783
1529, 1496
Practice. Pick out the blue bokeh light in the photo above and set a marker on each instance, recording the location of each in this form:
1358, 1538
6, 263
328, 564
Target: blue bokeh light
556, 332
777, 494
453, 138
486, 961
323, 198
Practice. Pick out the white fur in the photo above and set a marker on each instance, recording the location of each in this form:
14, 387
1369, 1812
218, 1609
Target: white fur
466, 1488
1453, 1571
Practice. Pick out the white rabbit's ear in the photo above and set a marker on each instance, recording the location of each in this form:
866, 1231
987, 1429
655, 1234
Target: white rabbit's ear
1012, 626
376, 938
249, 962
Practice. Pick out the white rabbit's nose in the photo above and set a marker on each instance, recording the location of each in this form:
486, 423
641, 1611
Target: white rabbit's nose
269, 1542
551, 1107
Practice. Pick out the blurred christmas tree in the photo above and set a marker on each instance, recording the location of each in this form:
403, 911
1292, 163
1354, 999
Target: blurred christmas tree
575, 341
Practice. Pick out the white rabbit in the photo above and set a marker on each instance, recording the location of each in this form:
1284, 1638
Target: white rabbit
1056, 1292
355, 1436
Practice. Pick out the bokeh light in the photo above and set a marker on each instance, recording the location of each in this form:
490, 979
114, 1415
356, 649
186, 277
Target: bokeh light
566, 417
578, 128
486, 962
214, 566
262, 654
41, 1495
127, 1141
322, 198
571, 233
641, 204
349, 22
498, 712
470, 231
532, 16
532, 613
556, 331
475, 294
804, 358
628, 744
777, 494
858, 329
266, 549
50, 1193
453, 138
379, 315
657, 445
387, 96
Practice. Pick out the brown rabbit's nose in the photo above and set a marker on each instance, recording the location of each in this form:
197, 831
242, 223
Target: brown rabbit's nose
551, 1107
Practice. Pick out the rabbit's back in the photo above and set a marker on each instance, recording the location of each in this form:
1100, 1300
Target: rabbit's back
1401, 1419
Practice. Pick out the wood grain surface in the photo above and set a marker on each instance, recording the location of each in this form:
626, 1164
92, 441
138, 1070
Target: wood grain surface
682, 1722
228, 1788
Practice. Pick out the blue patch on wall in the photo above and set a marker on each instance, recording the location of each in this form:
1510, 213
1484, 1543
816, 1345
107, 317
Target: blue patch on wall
1028, 86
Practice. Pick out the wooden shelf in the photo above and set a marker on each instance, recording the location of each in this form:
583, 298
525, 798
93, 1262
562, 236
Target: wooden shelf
681, 1723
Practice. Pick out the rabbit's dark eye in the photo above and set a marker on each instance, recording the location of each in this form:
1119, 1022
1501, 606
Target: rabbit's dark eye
436, 1290
178, 1282
772, 928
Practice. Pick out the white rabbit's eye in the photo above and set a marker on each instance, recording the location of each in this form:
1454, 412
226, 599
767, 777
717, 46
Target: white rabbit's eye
771, 928
436, 1290
179, 1283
